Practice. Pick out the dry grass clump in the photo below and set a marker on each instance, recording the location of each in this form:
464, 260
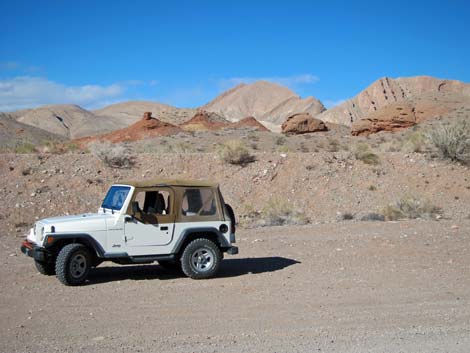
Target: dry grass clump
25, 148
452, 140
279, 212
235, 152
415, 141
276, 212
113, 155
364, 154
410, 208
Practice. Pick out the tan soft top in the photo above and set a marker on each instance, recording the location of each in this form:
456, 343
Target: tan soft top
169, 182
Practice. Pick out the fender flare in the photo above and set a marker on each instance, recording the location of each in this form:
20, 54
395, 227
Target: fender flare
212, 230
84, 238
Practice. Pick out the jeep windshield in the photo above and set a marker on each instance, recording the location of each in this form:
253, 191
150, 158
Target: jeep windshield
115, 197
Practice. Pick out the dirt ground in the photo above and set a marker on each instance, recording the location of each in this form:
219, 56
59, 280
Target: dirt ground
342, 287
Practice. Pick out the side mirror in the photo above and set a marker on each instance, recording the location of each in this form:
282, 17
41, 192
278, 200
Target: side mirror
135, 207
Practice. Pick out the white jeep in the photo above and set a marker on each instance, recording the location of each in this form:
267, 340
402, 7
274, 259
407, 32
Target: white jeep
182, 224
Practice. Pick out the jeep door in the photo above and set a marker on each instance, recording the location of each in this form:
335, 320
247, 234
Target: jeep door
153, 225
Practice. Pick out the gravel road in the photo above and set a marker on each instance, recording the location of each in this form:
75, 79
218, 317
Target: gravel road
339, 287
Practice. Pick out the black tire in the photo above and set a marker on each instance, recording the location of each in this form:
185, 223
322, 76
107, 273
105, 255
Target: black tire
201, 259
45, 268
73, 264
171, 265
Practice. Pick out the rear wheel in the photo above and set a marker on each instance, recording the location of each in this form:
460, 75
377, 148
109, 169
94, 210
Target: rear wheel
45, 268
73, 264
201, 259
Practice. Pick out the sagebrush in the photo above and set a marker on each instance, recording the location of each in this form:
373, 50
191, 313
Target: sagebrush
113, 155
235, 152
452, 140
410, 208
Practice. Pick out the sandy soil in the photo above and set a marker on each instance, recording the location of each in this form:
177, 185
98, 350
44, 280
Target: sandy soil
344, 287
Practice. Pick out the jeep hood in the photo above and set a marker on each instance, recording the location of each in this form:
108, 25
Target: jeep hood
81, 223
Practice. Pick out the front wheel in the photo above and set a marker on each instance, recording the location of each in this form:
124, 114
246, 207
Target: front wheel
201, 259
73, 264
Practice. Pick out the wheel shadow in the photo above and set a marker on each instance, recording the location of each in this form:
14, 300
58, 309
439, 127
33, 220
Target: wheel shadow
228, 268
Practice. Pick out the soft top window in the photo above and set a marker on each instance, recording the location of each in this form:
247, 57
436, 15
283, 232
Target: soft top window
198, 202
115, 197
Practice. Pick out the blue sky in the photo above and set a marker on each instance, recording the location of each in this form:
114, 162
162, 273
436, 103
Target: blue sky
184, 53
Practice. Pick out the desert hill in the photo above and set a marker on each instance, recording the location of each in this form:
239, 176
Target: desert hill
132, 111
14, 133
69, 121
265, 101
426, 91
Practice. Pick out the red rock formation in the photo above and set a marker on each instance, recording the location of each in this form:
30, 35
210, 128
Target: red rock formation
302, 123
390, 118
250, 122
144, 128
204, 120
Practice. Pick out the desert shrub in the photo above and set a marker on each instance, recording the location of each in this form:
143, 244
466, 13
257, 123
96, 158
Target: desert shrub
415, 141
452, 141
113, 155
373, 217
346, 216
235, 152
364, 154
372, 188
25, 148
278, 212
333, 146
283, 149
410, 208
280, 140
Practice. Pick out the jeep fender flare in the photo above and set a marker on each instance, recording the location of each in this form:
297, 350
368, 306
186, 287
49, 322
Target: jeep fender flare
187, 233
83, 238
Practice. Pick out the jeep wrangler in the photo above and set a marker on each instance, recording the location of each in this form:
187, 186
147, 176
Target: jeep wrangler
183, 224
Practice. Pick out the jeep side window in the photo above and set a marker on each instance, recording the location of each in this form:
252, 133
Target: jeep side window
153, 203
198, 202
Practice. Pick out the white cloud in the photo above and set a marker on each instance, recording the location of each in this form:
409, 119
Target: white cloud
330, 103
289, 81
26, 92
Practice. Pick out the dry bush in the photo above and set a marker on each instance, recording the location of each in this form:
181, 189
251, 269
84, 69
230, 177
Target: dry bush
415, 141
25, 148
452, 140
235, 152
278, 212
113, 155
364, 154
410, 208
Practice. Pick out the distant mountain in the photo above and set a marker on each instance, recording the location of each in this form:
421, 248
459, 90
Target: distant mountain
14, 133
69, 121
132, 111
265, 101
416, 91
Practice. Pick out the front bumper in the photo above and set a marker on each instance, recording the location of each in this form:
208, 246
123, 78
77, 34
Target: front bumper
32, 250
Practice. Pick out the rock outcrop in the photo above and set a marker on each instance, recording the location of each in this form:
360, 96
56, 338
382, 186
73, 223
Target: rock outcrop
144, 128
249, 122
204, 120
390, 118
409, 90
302, 124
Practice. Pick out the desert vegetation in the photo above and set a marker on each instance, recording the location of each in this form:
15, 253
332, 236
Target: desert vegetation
452, 140
235, 152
